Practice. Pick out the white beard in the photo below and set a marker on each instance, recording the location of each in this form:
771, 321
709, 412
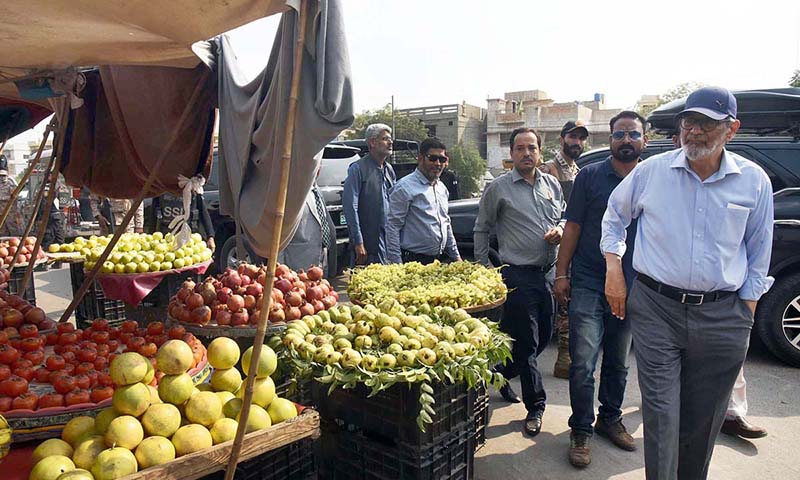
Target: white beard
696, 152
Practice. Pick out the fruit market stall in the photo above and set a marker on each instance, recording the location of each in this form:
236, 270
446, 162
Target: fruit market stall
15, 255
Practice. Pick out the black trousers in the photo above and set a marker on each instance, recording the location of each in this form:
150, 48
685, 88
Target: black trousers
409, 256
528, 319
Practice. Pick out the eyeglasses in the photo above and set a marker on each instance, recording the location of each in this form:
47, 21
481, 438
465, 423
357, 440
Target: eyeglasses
706, 124
437, 158
632, 134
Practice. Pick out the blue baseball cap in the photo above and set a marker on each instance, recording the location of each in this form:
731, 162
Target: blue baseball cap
713, 102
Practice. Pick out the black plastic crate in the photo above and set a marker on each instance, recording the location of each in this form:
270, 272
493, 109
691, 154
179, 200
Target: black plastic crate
292, 461
15, 284
481, 416
298, 391
153, 307
94, 304
392, 413
345, 453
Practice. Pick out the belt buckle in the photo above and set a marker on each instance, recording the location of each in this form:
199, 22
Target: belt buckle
692, 298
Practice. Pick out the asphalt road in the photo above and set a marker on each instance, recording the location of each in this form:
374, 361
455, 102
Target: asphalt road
773, 392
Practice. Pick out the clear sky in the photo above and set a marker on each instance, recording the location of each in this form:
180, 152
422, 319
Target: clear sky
447, 51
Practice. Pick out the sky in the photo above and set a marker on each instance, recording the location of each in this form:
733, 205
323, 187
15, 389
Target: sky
438, 52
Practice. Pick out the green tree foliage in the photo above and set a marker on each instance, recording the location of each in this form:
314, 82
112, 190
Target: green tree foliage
674, 93
795, 80
406, 128
467, 163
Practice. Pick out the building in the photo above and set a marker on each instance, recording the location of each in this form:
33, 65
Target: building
533, 108
453, 123
17, 155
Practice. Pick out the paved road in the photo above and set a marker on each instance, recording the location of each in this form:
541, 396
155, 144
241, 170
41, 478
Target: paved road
773, 395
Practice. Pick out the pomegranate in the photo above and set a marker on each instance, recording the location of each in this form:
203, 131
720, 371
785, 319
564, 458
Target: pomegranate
303, 276
277, 295
292, 313
249, 302
281, 270
245, 280
314, 273
235, 303
277, 315
184, 293
328, 301
254, 289
209, 297
325, 289
189, 284
223, 294
294, 298
223, 317
283, 285
240, 318
307, 309
335, 295
233, 280
318, 306
314, 293
35, 316
200, 315
194, 300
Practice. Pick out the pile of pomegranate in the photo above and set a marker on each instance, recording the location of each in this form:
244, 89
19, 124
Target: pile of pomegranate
235, 297
10, 246
16, 313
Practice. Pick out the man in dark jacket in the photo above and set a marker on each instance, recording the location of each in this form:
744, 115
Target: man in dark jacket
366, 197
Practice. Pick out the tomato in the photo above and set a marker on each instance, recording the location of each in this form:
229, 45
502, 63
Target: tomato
124, 338
32, 343
79, 334
87, 354
26, 401
104, 379
129, 326
22, 362
37, 356
42, 375
13, 386
51, 339
69, 368
100, 363
58, 349
3, 337
64, 384
5, 403
25, 372
69, 357
148, 350
176, 332
135, 343
101, 337
28, 330
101, 393
67, 338
93, 374
160, 339
51, 400
65, 327
115, 332
113, 345
55, 362
84, 367
16, 342
103, 350
76, 397
8, 354
83, 381
100, 325
89, 344
155, 328
5, 372
73, 348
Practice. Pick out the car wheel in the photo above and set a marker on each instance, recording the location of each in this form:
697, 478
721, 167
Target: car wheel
778, 319
227, 256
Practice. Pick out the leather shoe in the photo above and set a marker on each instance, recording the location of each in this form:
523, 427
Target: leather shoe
616, 433
533, 423
739, 426
508, 394
580, 455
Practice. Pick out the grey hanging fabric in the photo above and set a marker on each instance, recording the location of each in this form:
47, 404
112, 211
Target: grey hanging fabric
252, 121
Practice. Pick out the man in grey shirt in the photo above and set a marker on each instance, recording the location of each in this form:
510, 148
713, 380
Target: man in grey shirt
418, 228
365, 198
525, 208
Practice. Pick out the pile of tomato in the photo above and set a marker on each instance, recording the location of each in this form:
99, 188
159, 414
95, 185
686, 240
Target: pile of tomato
74, 361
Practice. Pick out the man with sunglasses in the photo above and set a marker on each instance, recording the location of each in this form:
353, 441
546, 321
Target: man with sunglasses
703, 246
524, 207
580, 283
365, 197
418, 226
563, 167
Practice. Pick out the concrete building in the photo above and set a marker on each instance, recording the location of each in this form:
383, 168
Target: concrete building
453, 123
17, 155
533, 108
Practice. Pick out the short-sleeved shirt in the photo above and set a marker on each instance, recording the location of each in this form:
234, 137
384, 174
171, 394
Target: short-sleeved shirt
586, 207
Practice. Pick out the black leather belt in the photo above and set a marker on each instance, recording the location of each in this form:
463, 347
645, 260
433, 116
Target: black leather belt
538, 268
687, 297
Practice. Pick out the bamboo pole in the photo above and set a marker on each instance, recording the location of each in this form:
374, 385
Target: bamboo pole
272, 254
57, 153
28, 172
90, 276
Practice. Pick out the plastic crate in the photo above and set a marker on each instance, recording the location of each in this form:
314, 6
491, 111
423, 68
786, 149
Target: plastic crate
392, 413
351, 454
292, 461
298, 391
153, 307
94, 304
15, 282
481, 416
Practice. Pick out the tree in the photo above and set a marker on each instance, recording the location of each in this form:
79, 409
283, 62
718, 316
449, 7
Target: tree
795, 80
406, 128
674, 93
467, 164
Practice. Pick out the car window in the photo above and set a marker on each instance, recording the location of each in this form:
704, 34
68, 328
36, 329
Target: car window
788, 158
761, 158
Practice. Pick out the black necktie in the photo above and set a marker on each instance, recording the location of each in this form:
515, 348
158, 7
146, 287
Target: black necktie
323, 217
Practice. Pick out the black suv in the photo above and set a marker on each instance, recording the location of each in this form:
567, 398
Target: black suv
774, 112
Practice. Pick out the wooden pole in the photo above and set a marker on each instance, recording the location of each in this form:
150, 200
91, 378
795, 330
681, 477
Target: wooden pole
275, 241
27, 175
89, 278
57, 153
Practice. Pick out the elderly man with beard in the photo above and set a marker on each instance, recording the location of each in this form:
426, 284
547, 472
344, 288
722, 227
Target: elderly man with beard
703, 246
418, 227
525, 207
563, 167
365, 197
580, 283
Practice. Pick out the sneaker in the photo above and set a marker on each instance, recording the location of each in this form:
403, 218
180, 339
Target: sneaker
616, 433
580, 455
